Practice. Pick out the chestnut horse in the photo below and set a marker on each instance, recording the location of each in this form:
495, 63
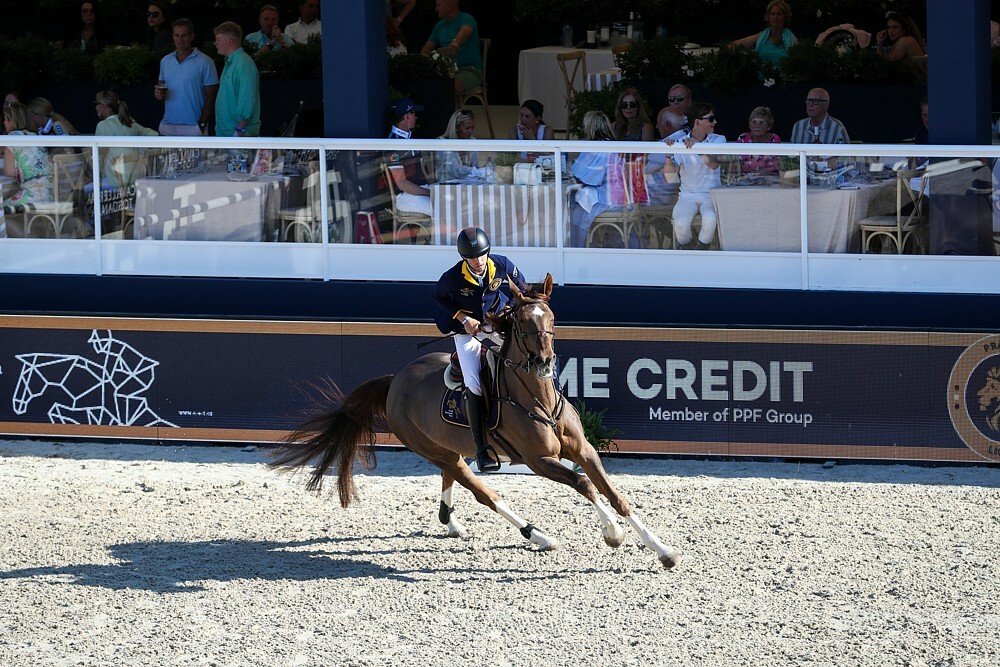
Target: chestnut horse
538, 427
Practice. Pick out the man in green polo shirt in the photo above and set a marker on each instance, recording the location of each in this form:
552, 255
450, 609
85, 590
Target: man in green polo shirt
458, 30
237, 108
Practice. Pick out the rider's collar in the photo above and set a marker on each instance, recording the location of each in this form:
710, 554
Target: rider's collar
396, 132
487, 279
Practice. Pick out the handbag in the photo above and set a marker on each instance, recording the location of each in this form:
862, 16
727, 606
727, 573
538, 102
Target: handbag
527, 173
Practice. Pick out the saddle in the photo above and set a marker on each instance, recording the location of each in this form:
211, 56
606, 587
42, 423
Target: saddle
452, 404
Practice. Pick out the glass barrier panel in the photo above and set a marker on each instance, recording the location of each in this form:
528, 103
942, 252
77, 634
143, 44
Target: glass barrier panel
910, 205
44, 192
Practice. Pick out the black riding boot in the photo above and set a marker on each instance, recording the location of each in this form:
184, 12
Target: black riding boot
475, 406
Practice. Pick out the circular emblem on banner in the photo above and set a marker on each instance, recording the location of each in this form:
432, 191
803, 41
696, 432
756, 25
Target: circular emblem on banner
974, 397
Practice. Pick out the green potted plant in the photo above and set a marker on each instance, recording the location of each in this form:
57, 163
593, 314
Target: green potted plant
788, 169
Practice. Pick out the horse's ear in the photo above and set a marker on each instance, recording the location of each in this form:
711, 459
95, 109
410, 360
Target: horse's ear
518, 296
547, 284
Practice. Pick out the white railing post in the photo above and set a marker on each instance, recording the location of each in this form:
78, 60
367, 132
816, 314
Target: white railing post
324, 197
95, 155
560, 220
804, 217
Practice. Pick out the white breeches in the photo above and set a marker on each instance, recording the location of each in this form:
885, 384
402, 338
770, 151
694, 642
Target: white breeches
688, 205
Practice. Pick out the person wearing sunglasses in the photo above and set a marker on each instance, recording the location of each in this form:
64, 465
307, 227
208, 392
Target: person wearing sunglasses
698, 175
158, 37
631, 120
772, 43
679, 98
819, 127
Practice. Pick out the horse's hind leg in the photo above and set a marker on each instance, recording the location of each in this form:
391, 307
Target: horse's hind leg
455, 468
551, 468
446, 511
592, 466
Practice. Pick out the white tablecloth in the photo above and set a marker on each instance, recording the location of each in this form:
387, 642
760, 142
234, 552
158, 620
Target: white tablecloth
539, 78
767, 218
206, 207
512, 215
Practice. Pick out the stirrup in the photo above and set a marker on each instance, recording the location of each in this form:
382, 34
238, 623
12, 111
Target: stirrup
487, 459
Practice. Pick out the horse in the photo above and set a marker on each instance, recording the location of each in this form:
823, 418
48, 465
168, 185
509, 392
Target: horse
537, 428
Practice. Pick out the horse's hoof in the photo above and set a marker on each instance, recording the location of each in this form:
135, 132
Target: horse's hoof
542, 542
457, 532
671, 558
615, 539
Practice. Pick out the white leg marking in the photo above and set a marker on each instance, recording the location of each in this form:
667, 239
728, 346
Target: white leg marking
613, 533
669, 556
455, 529
543, 541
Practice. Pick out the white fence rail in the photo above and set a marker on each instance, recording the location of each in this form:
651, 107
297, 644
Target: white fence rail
328, 259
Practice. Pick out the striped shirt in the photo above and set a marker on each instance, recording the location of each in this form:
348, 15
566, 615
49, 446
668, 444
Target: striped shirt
831, 131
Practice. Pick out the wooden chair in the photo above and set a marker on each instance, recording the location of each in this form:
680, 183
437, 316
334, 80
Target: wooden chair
301, 224
620, 49
68, 174
579, 60
899, 227
479, 92
127, 167
419, 226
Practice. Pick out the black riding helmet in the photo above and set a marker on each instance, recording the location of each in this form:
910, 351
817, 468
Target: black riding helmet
473, 242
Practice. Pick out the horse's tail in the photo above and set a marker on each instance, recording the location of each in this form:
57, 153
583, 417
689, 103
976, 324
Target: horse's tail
335, 436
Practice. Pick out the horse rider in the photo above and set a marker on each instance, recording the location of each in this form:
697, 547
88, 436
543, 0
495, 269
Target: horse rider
466, 292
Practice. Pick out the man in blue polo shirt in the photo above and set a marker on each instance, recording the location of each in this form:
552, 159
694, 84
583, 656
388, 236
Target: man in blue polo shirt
458, 30
188, 85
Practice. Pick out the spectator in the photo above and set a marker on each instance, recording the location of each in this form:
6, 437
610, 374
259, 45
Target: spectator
631, 120
116, 121
458, 30
452, 165
404, 166
11, 97
591, 169
698, 174
760, 122
308, 23
530, 126
269, 37
43, 120
819, 127
28, 165
237, 109
90, 36
406, 6
772, 43
661, 191
190, 86
901, 39
159, 34
679, 98
922, 134
395, 43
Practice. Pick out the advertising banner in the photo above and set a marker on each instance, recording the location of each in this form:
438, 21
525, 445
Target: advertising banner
834, 394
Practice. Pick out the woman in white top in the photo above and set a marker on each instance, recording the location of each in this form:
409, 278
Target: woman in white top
530, 126
117, 121
698, 174
454, 165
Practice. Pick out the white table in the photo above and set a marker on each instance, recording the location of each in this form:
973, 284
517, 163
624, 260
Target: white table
767, 218
206, 207
512, 215
539, 78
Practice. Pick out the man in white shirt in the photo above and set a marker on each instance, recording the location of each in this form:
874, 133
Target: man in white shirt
308, 23
699, 174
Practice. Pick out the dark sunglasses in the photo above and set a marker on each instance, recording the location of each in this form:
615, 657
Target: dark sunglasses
152, 15
629, 105
710, 118
677, 98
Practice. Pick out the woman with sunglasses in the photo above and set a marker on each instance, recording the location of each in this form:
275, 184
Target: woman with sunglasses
698, 175
158, 37
631, 120
456, 165
761, 121
772, 43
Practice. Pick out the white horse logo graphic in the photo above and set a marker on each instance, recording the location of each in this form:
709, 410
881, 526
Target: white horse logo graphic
105, 393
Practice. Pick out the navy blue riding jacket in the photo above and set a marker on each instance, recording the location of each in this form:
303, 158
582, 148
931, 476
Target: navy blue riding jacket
458, 292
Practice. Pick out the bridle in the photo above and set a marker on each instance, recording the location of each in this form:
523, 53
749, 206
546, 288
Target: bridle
532, 364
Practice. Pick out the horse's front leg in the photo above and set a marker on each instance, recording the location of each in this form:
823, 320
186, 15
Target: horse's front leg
591, 463
446, 510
